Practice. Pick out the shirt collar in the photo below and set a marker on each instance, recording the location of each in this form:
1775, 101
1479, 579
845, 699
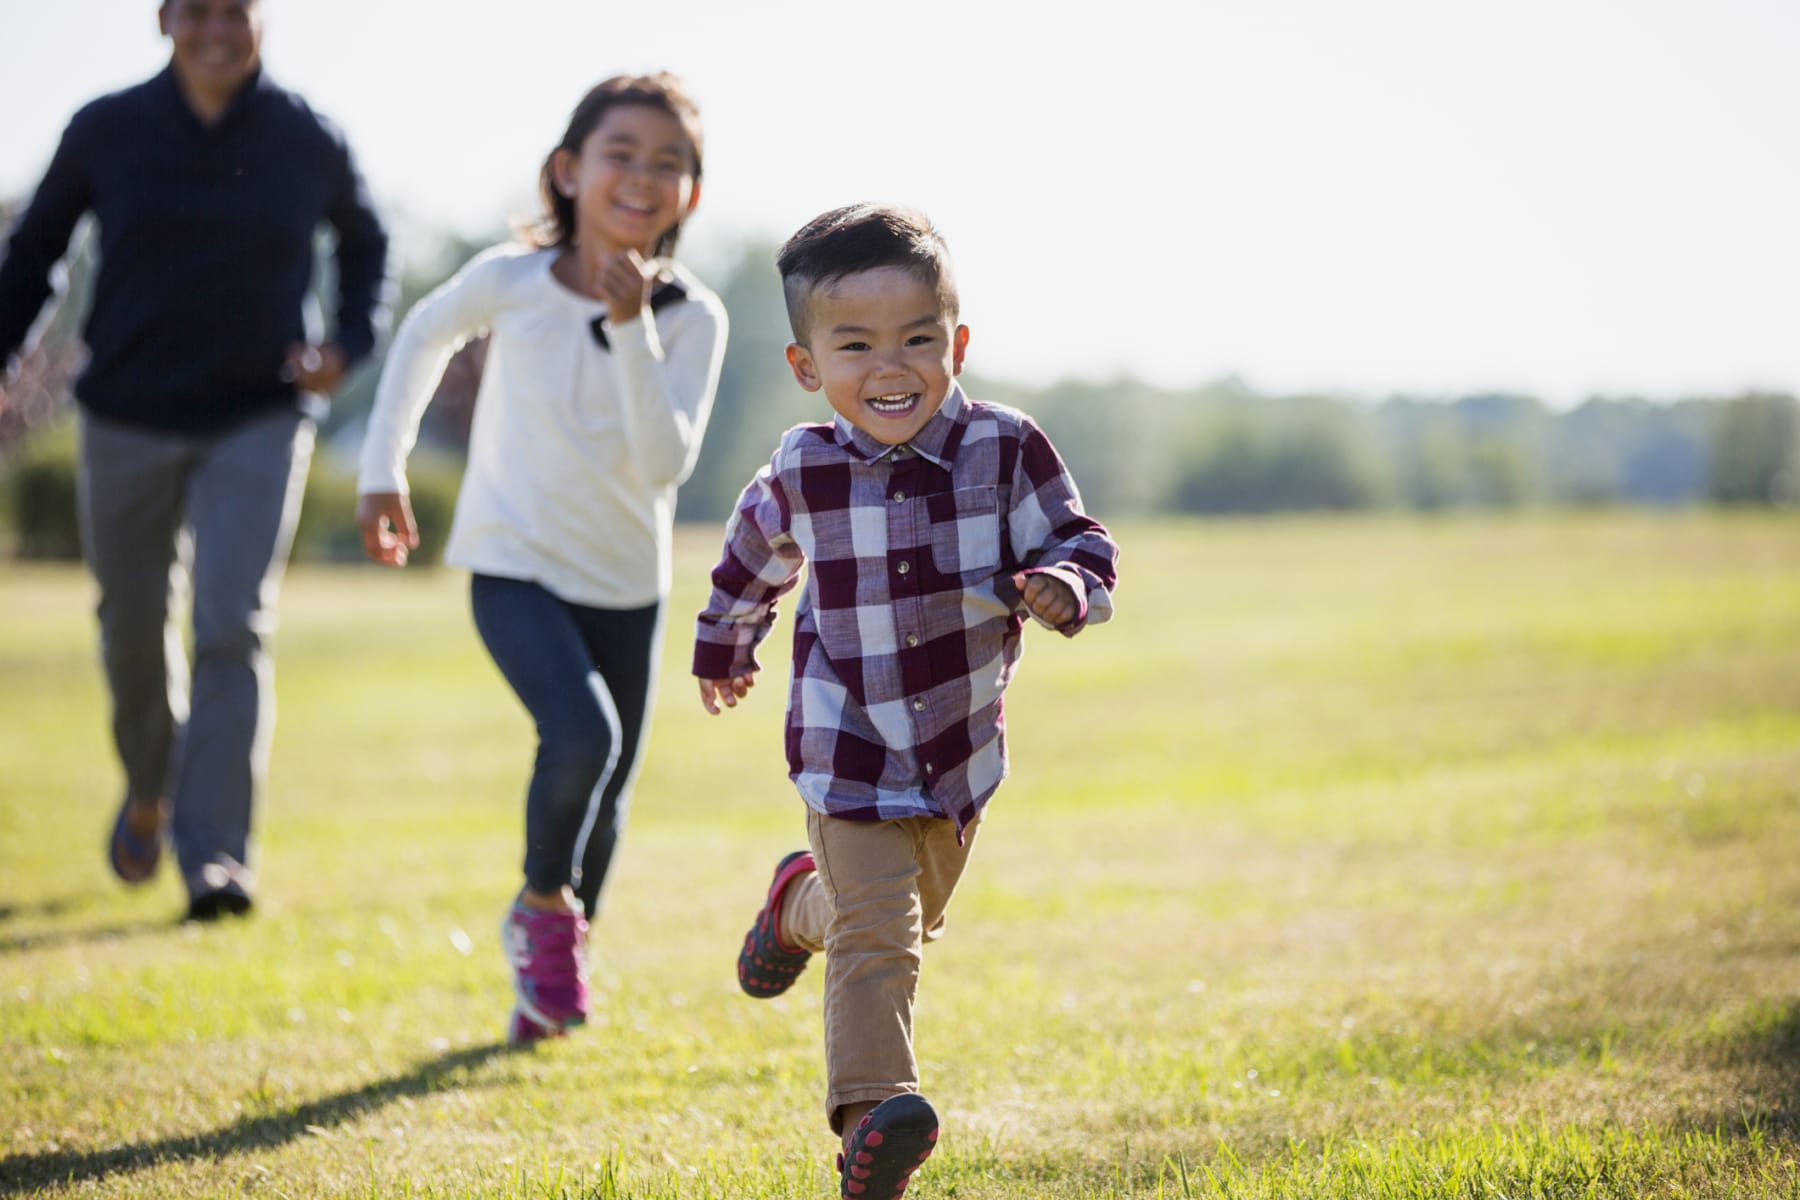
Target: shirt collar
257, 83
935, 442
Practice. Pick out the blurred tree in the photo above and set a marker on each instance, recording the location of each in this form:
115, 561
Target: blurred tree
757, 399
40, 397
1612, 451
1135, 449
1420, 441
1756, 451
1299, 454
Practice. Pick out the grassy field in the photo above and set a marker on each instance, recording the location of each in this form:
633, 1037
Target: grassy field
1374, 858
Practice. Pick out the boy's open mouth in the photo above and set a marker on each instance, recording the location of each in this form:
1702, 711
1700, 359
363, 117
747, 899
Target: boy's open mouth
893, 405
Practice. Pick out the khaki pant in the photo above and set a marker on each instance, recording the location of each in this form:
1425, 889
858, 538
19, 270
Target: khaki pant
878, 896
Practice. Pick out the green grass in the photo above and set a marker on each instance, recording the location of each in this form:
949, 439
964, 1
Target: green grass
1363, 858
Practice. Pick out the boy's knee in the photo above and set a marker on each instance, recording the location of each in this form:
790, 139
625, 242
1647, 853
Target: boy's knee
874, 931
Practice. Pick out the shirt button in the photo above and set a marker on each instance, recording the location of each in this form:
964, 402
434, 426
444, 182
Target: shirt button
903, 568
912, 639
899, 496
918, 704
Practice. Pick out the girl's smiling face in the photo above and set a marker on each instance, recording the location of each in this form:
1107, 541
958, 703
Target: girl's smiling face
632, 182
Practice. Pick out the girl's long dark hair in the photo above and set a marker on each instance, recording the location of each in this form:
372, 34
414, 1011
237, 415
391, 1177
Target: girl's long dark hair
661, 91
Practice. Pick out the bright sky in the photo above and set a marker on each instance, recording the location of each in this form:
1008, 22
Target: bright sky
1562, 197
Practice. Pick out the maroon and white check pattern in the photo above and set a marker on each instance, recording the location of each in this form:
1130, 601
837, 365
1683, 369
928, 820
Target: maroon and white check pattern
908, 629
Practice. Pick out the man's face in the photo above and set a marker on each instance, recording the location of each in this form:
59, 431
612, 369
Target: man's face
217, 43
884, 351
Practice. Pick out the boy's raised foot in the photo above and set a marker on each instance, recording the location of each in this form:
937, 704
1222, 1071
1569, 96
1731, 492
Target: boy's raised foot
766, 967
891, 1142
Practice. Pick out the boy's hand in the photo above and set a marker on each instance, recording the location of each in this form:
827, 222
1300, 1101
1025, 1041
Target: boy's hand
625, 281
726, 691
388, 532
1048, 598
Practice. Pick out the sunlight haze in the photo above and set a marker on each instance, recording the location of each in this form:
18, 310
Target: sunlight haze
1561, 199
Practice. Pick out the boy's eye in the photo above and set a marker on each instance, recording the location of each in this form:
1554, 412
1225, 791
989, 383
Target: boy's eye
920, 339
854, 346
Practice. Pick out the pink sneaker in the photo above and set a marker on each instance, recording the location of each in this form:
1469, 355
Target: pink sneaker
548, 953
521, 1030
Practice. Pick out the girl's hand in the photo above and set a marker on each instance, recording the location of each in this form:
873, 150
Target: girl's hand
1048, 598
624, 283
728, 691
386, 521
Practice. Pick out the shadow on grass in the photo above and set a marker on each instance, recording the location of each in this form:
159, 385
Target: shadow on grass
16, 943
62, 906
1767, 1053
23, 1173
55, 906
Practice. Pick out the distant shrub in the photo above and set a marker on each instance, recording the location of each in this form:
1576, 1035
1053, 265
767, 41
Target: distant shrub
1756, 451
1311, 457
40, 496
38, 506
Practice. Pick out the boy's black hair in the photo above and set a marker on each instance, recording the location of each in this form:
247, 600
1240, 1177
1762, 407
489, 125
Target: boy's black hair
857, 238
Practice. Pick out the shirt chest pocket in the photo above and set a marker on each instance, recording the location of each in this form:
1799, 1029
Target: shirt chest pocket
965, 530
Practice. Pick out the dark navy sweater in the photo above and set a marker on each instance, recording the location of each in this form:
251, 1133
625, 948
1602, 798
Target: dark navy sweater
206, 238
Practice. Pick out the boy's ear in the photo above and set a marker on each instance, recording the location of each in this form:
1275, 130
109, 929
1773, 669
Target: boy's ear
562, 169
805, 371
959, 345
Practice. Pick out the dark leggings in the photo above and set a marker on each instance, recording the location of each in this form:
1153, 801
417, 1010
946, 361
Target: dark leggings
585, 675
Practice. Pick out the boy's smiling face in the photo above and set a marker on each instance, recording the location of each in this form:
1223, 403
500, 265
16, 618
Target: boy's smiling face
883, 349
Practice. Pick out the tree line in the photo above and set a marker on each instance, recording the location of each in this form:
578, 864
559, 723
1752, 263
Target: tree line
1219, 448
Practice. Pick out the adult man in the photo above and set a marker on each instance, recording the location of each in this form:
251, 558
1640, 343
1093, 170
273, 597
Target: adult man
198, 403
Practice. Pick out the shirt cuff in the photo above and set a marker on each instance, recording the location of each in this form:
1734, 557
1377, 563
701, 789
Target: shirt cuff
713, 660
1078, 585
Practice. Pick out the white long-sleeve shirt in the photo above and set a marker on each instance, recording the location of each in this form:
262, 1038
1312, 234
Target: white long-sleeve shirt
576, 449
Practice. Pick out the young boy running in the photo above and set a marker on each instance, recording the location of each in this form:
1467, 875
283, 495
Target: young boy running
932, 524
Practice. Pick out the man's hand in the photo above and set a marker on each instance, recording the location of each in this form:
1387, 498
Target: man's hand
713, 692
1048, 598
317, 368
386, 522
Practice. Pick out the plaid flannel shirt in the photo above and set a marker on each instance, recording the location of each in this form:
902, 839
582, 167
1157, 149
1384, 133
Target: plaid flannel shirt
908, 629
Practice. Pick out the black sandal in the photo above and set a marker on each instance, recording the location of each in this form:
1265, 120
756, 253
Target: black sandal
765, 966
889, 1144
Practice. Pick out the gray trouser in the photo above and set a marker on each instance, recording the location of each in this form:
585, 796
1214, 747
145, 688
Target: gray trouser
168, 520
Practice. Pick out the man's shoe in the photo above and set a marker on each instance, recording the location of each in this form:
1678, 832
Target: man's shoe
765, 966
134, 857
211, 906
